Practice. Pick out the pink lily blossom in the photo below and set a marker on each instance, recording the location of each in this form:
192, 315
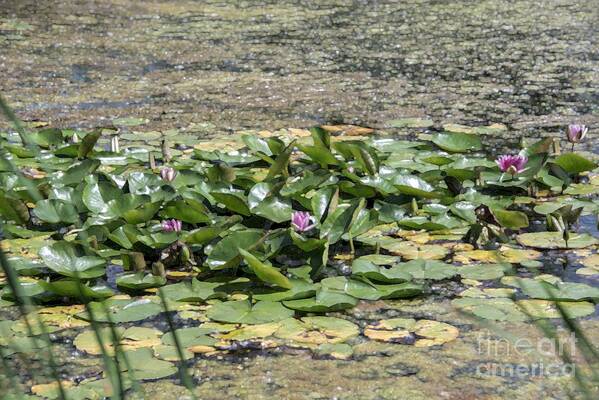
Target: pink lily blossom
512, 164
171, 225
302, 221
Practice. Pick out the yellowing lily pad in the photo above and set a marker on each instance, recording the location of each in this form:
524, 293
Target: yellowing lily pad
421, 333
317, 330
87, 341
341, 351
136, 337
413, 251
50, 390
54, 318
591, 261
251, 332
434, 333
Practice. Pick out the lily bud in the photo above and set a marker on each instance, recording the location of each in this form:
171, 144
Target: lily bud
185, 254
171, 225
414, 206
114, 144
576, 133
168, 174
158, 269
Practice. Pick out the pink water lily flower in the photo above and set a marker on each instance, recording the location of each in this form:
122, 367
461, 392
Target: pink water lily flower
512, 164
171, 225
576, 132
168, 174
302, 221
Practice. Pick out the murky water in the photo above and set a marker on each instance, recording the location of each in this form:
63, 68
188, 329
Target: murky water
213, 67
272, 64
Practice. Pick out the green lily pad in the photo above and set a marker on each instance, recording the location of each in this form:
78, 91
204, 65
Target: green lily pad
560, 291
573, 163
324, 301
263, 202
122, 310
266, 273
496, 309
139, 281
369, 291
243, 312
363, 266
300, 289
146, 366
54, 211
67, 259
457, 142
555, 240
129, 121
225, 253
412, 185
510, 219
482, 271
429, 269
194, 291
77, 290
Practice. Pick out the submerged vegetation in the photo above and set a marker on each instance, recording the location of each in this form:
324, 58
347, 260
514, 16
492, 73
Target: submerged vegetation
260, 243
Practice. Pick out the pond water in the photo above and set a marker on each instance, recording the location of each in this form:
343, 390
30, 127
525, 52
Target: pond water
197, 70
276, 64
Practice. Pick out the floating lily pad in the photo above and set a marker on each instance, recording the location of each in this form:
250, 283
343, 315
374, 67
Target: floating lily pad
548, 309
558, 291
245, 313
421, 333
146, 366
369, 269
457, 142
410, 123
300, 289
252, 331
555, 240
139, 281
341, 351
194, 291
129, 121
69, 260
122, 310
482, 271
574, 163
429, 269
496, 309
317, 330
324, 301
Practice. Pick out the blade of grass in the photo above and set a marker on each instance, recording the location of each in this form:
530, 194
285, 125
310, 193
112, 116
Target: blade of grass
24, 305
111, 364
10, 115
550, 332
15, 386
118, 349
183, 372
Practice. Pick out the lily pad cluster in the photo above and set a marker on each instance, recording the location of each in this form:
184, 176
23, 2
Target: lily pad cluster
308, 225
